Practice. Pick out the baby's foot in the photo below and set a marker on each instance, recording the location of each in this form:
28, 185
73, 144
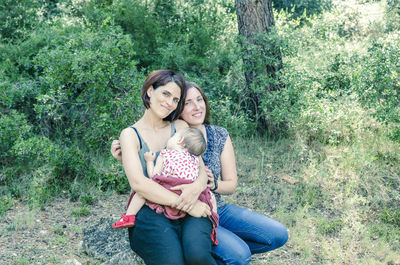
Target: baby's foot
125, 221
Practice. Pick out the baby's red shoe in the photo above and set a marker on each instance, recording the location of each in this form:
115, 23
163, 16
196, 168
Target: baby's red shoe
125, 221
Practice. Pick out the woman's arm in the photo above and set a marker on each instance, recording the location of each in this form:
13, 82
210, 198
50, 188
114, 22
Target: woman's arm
228, 167
149, 189
190, 192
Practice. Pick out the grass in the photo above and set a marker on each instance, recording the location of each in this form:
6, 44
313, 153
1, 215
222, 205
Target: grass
23, 261
82, 211
60, 240
334, 183
332, 204
23, 221
5, 204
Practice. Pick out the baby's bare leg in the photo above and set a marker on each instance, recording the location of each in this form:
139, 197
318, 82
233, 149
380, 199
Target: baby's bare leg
136, 204
214, 203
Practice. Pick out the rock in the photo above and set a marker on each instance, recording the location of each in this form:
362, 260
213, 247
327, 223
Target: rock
72, 262
80, 245
124, 258
110, 245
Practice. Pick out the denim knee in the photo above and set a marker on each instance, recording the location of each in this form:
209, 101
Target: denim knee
232, 250
238, 258
242, 256
281, 237
199, 258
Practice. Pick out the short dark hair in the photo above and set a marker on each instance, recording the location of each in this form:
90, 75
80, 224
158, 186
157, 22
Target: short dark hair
195, 143
193, 84
161, 78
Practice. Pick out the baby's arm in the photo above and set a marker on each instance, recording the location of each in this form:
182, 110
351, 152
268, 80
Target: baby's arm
151, 169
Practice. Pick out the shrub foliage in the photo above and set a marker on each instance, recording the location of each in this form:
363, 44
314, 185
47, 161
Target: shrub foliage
71, 73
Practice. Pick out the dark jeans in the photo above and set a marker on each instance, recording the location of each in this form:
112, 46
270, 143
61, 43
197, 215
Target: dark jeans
161, 241
242, 233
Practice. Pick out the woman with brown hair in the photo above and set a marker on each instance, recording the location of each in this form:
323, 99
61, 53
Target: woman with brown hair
241, 232
155, 238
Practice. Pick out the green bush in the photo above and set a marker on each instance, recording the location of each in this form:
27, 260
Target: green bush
13, 127
232, 117
280, 108
331, 122
115, 180
63, 171
298, 7
378, 82
18, 17
20, 54
337, 79
319, 78
20, 96
5, 204
192, 30
392, 15
89, 86
34, 151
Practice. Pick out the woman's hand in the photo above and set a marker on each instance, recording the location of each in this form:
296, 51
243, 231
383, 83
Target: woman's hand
116, 150
210, 175
200, 209
189, 196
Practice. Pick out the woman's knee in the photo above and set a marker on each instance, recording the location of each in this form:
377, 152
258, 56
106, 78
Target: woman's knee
281, 236
239, 256
242, 256
232, 250
155, 238
199, 258
273, 239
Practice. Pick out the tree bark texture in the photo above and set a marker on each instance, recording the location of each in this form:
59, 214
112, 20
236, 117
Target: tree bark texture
255, 17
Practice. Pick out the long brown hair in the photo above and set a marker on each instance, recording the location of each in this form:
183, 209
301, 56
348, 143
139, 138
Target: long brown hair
193, 84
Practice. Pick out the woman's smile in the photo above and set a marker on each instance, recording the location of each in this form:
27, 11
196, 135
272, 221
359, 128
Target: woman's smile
197, 114
166, 108
165, 99
194, 111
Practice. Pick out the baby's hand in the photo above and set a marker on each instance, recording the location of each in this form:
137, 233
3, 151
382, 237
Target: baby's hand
149, 156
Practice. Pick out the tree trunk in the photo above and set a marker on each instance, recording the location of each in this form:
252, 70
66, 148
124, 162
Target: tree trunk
255, 18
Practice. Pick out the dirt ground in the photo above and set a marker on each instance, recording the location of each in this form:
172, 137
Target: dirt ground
54, 235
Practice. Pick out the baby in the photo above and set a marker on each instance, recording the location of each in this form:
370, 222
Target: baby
180, 161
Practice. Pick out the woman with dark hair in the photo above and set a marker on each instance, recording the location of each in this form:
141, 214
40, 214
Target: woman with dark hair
155, 238
241, 232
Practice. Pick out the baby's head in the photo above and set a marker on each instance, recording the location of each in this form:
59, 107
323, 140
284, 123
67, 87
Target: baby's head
189, 139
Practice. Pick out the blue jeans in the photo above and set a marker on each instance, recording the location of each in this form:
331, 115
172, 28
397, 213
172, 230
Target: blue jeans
159, 240
242, 233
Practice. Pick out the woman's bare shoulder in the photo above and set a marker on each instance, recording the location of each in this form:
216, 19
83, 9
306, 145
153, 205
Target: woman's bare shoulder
129, 136
180, 124
127, 132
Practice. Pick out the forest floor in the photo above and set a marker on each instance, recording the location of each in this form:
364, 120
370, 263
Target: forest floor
54, 235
